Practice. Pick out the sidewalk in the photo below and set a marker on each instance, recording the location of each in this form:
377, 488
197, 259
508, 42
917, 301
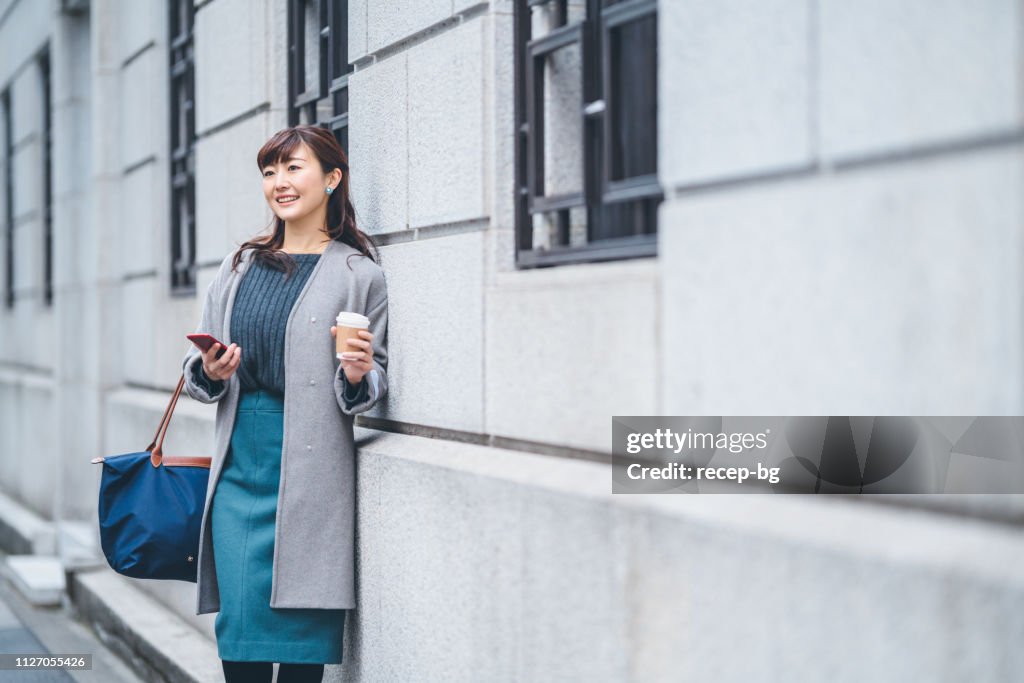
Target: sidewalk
25, 628
16, 639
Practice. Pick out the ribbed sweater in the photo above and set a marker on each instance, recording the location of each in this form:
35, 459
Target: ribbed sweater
259, 319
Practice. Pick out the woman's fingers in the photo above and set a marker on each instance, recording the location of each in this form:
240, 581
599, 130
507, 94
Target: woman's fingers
225, 366
233, 359
364, 356
361, 360
227, 357
358, 360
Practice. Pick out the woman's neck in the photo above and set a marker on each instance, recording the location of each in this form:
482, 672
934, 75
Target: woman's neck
306, 234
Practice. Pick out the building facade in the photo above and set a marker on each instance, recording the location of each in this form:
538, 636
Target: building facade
584, 209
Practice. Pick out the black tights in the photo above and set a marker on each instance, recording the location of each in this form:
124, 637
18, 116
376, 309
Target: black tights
262, 672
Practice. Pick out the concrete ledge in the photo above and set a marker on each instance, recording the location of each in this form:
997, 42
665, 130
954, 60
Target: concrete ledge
157, 644
39, 578
23, 532
841, 524
564, 581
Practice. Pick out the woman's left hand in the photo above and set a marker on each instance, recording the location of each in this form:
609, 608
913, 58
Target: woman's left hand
359, 361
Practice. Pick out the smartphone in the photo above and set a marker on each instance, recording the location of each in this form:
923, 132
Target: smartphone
205, 342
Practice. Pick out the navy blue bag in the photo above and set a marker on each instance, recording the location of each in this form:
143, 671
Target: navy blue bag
151, 508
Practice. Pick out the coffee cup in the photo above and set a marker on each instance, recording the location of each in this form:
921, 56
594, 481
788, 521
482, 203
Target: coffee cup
349, 324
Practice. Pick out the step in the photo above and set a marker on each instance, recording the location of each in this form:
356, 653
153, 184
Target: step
39, 578
156, 643
22, 531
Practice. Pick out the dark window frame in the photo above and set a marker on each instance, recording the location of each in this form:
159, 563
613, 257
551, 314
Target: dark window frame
43, 61
182, 146
333, 67
8, 142
600, 194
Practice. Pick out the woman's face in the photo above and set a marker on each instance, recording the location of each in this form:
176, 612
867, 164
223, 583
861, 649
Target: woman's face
296, 187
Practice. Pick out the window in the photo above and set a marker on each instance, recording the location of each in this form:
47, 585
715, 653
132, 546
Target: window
183, 138
43, 62
8, 160
586, 146
318, 65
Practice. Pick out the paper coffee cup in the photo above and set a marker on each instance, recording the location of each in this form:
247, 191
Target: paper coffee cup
349, 325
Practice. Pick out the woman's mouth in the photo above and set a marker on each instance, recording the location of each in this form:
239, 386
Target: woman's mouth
287, 198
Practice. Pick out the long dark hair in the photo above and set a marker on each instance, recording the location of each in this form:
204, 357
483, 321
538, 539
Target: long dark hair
341, 215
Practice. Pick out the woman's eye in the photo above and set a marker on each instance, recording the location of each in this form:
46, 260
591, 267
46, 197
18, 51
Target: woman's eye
267, 173
292, 166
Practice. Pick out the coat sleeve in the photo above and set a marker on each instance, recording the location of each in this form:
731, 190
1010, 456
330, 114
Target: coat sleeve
198, 385
363, 396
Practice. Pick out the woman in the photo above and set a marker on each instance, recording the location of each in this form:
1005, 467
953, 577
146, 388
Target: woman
277, 545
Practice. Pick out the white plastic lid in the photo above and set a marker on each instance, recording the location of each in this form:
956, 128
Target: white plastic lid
347, 319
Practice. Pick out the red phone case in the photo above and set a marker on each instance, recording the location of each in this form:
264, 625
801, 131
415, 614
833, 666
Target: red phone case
205, 342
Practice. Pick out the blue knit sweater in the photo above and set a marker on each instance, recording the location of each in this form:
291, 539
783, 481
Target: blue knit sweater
258, 321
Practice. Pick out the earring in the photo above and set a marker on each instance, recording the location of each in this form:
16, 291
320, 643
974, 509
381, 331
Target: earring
330, 190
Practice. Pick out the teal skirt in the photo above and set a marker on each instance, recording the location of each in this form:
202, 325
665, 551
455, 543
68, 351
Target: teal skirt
243, 512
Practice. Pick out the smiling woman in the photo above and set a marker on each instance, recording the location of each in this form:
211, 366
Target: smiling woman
277, 546
298, 190
306, 184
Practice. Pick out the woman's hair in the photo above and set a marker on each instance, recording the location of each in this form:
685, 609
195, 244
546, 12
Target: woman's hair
341, 216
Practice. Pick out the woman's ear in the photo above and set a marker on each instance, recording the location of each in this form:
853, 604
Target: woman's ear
334, 178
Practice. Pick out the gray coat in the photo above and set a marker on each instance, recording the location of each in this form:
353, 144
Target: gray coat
314, 538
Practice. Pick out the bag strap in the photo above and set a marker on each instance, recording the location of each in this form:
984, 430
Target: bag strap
156, 448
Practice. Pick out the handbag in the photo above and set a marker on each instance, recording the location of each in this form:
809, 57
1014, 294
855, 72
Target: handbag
151, 508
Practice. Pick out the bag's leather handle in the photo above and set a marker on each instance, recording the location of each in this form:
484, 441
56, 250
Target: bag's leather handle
156, 448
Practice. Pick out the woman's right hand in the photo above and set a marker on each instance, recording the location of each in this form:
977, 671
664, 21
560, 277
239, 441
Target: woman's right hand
222, 368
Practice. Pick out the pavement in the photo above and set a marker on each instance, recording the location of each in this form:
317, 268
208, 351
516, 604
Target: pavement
28, 629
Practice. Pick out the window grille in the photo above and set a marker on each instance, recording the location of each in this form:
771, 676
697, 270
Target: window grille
47, 144
586, 146
318, 65
183, 138
8, 160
